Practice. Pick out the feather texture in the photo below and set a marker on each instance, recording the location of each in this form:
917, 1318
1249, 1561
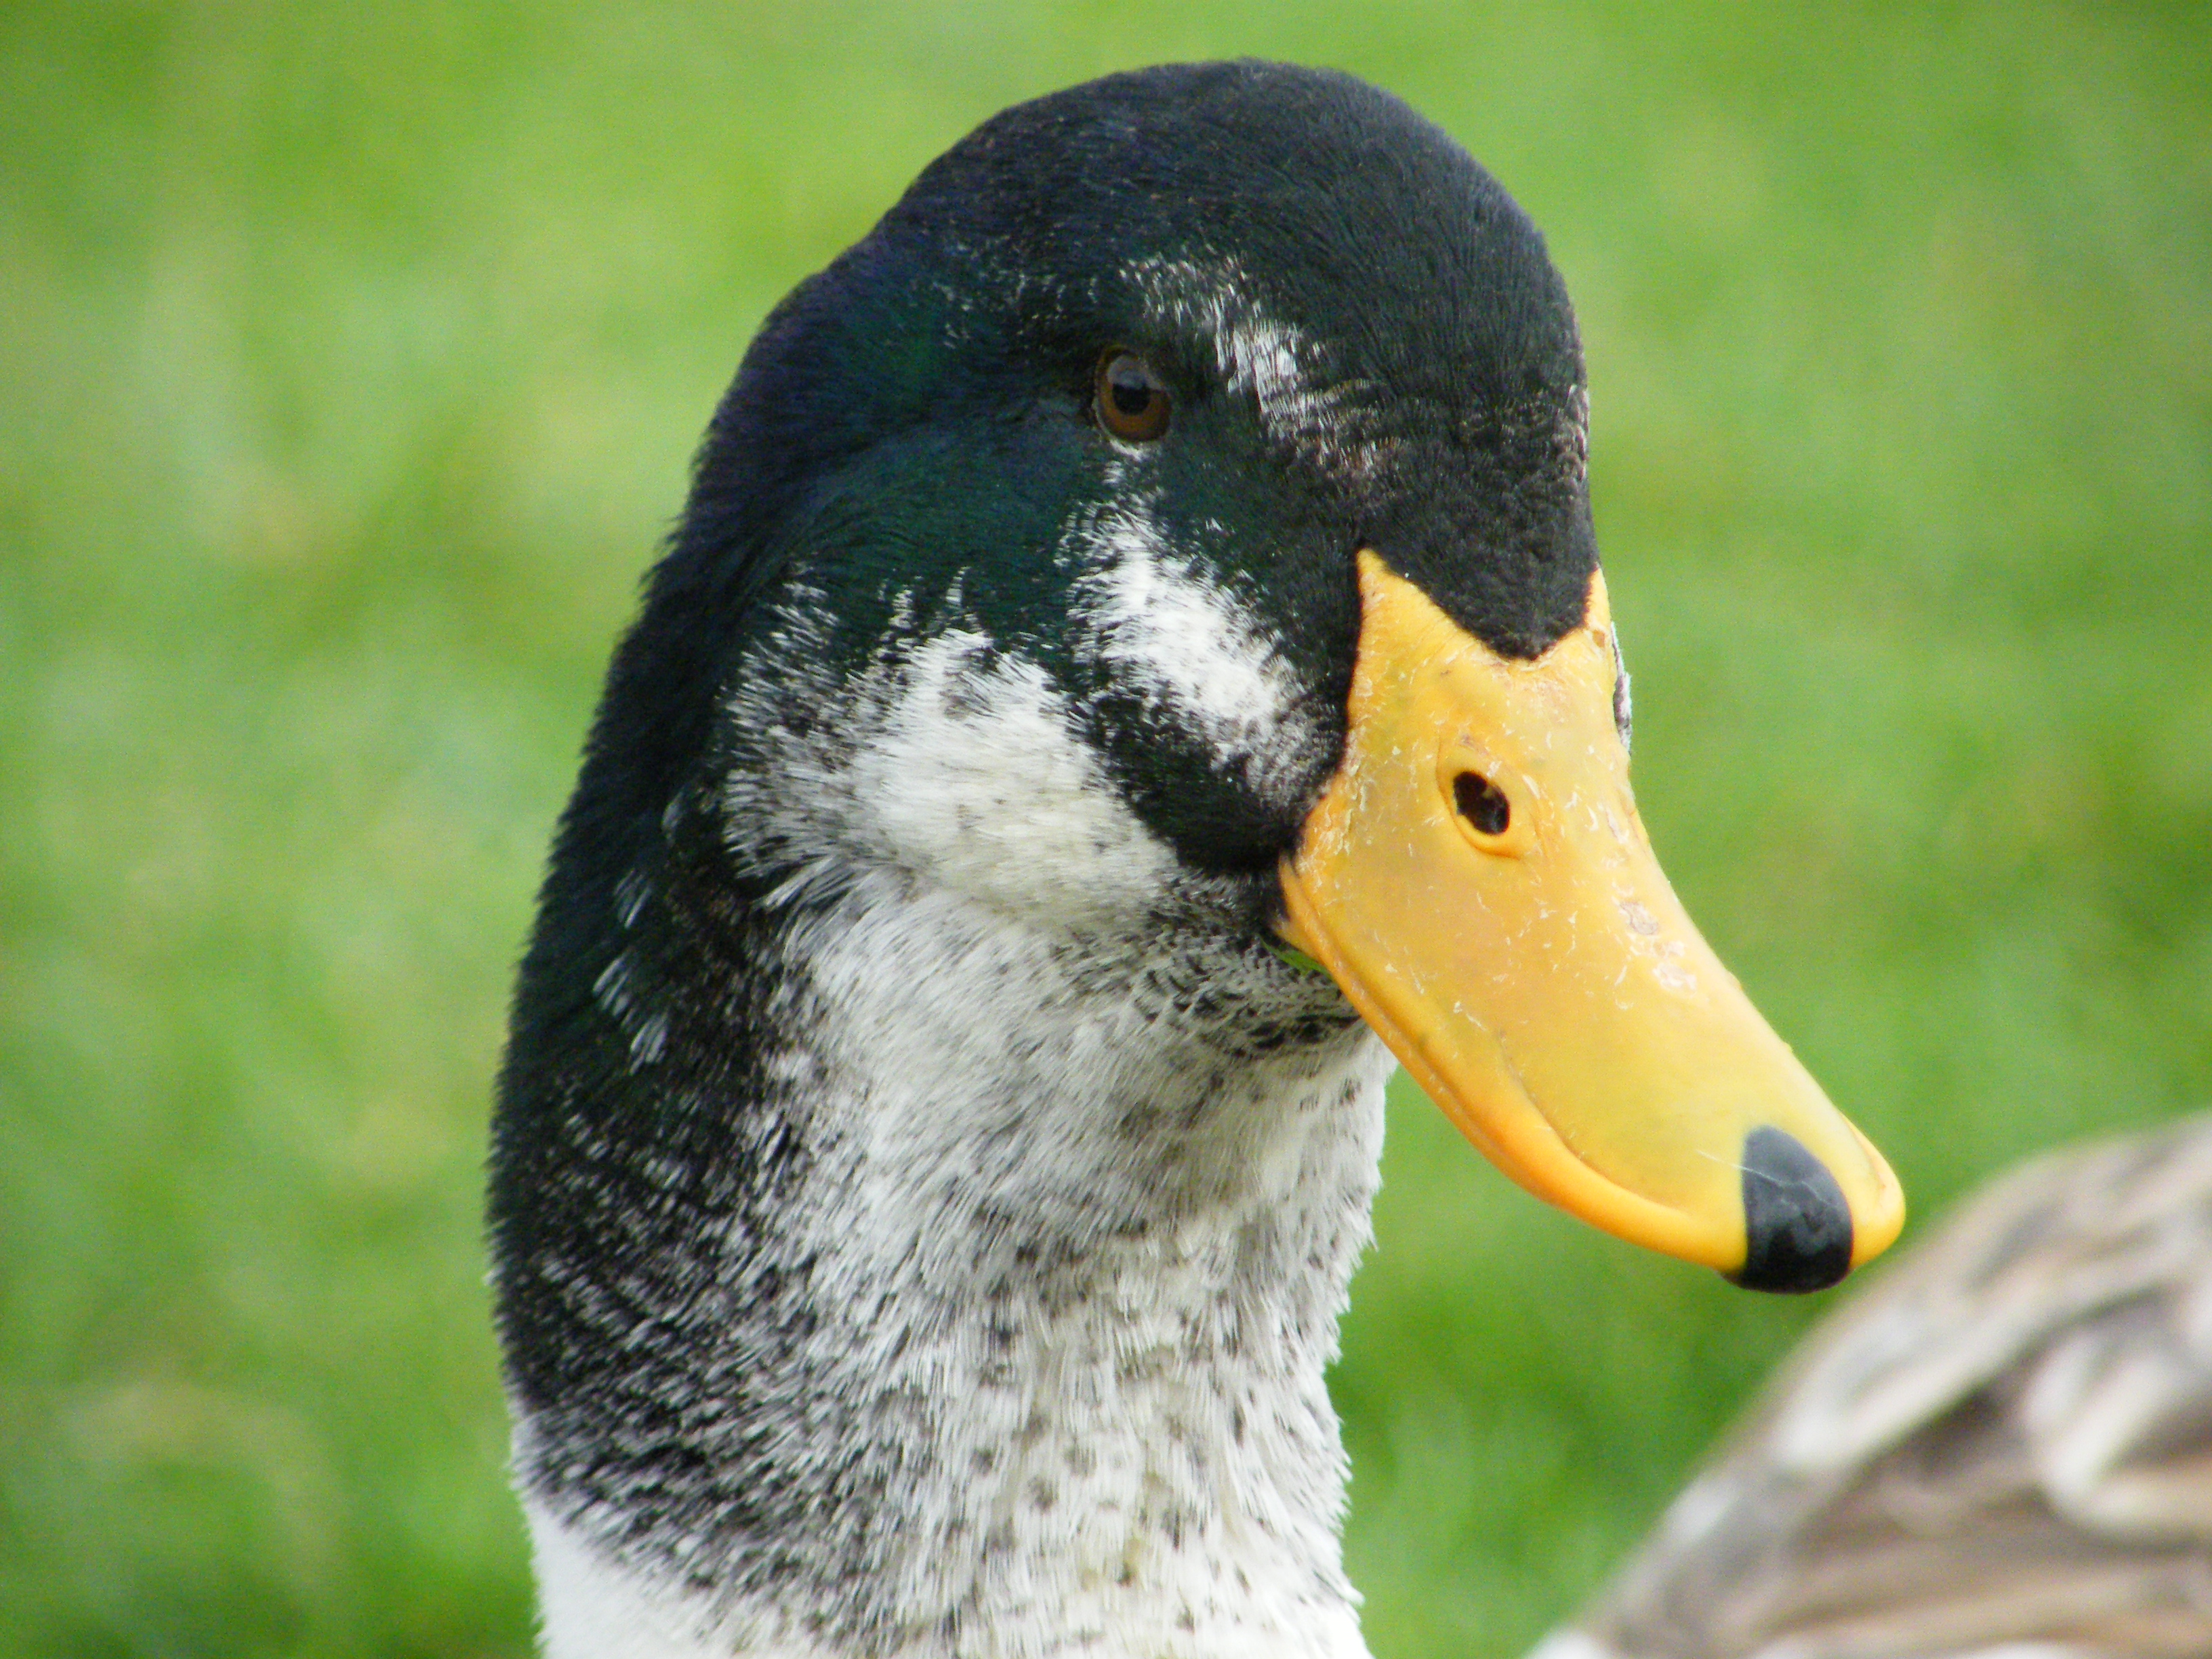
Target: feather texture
2003, 1448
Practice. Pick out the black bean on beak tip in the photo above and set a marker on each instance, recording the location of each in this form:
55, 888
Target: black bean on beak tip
1795, 1222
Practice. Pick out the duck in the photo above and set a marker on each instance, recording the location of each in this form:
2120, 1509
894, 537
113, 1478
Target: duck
2002, 1446
1132, 667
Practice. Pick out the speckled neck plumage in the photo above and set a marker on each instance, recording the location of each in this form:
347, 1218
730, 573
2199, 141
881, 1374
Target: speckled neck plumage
1009, 1334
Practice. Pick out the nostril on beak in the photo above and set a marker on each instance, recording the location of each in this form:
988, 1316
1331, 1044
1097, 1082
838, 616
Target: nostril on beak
1796, 1224
1481, 803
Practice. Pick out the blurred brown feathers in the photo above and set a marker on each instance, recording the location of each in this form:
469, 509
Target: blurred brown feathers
2003, 1448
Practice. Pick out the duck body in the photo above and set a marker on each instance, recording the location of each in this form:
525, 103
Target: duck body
923, 1187
2004, 1448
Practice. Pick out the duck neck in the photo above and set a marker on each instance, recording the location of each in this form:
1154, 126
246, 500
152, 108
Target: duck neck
997, 1323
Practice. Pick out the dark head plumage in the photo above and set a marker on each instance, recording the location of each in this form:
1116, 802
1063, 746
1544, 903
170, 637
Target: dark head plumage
922, 401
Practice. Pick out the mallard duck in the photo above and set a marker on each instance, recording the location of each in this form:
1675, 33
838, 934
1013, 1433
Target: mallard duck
2004, 1448
1133, 662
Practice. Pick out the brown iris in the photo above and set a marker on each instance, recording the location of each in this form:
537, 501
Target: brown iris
1131, 398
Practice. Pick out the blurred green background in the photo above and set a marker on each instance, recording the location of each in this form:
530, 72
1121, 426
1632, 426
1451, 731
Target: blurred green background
349, 362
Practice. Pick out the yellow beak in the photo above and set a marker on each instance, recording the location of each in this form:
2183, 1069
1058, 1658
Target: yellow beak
1478, 881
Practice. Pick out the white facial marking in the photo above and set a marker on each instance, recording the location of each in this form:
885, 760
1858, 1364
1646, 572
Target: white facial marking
1257, 354
1185, 643
970, 776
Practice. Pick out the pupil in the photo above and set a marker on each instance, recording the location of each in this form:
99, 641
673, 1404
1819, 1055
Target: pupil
1131, 396
1481, 803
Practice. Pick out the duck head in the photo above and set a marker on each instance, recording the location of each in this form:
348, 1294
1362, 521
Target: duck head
1245, 411
1137, 616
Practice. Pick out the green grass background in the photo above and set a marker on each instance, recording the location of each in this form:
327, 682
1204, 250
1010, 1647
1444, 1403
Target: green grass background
349, 362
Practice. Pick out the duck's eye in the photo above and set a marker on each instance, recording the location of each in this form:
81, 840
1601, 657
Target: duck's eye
1131, 399
1481, 803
